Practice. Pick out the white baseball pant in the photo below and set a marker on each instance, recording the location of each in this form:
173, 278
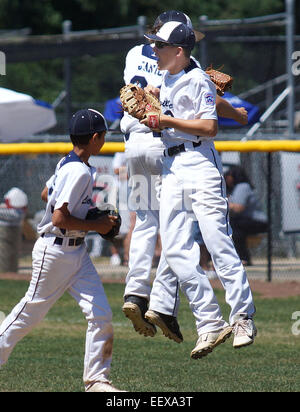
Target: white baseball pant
56, 269
193, 187
144, 154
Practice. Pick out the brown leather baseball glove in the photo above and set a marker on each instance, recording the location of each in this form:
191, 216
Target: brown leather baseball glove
141, 105
222, 81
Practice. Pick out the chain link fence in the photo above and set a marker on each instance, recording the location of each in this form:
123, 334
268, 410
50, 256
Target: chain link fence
279, 194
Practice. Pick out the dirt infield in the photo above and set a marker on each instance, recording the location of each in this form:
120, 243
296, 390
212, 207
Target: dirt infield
274, 289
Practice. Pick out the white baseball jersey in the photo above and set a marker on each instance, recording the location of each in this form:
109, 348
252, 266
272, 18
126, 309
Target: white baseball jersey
189, 94
141, 69
60, 267
74, 188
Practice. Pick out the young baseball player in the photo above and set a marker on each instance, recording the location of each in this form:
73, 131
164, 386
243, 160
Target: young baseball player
144, 152
60, 261
193, 188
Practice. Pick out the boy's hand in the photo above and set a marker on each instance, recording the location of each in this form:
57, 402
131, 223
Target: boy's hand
107, 221
154, 90
241, 115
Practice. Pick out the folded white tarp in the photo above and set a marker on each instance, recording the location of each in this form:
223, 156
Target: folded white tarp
22, 116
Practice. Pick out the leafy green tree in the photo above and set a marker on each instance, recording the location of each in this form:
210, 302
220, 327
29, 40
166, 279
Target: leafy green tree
39, 15
96, 79
46, 16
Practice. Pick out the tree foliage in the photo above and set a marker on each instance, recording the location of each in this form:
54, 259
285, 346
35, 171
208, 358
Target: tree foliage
46, 16
96, 79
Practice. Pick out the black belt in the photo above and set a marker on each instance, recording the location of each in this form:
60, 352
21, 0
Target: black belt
174, 150
72, 242
155, 134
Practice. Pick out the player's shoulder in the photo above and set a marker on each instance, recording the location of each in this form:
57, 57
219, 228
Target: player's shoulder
135, 50
142, 50
196, 75
194, 70
72, 164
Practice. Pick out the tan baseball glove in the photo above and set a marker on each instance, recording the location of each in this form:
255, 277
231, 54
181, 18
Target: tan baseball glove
222, 81
141, 105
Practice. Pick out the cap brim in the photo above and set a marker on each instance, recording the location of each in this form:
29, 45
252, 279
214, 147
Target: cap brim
154, 37
198, 36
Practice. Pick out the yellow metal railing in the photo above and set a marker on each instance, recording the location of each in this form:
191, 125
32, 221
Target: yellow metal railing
51, 148
112, 147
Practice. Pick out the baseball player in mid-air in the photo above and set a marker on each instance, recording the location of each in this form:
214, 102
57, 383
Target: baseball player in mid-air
60, 259
144, 152
193, 187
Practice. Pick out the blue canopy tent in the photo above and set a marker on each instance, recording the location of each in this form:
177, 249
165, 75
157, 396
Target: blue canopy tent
113, 111
235, 101
21, 115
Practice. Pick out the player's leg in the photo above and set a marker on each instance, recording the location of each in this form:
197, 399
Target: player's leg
164, 302
50, 278
211, 208
144, 156
88, 291
183, 256
141, 251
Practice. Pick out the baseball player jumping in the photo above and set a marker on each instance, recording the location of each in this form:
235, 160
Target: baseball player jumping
193, 187
60, 259
144, 152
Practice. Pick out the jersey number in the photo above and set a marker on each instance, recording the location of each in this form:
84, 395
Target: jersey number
139, 81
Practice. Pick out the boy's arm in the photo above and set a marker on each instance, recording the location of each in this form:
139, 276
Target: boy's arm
44, 194
197, 127
61, 218
225, 109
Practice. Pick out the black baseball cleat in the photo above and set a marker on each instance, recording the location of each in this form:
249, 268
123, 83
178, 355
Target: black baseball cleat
135, 308
167, 323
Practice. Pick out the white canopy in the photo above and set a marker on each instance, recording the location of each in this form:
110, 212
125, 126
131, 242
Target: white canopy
22, 116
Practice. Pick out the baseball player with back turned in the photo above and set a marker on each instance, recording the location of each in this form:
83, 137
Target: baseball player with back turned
60, 261
193, 187
144, 153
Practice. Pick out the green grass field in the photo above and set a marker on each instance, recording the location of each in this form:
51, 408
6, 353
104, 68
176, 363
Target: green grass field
50, 358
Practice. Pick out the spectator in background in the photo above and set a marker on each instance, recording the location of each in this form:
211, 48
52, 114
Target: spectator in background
15, 198
15, 205
246, 215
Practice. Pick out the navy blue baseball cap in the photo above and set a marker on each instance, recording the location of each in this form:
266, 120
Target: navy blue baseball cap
175, 15
174, 33
87, 121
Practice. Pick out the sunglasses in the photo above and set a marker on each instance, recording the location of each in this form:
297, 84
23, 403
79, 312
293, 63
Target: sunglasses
161, 44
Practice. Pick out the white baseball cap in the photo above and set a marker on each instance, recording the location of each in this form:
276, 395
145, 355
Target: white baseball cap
174, 33
16, 198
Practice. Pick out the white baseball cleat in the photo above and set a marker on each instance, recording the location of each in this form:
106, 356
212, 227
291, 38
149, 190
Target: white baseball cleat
244, 331
208, 341
102, 387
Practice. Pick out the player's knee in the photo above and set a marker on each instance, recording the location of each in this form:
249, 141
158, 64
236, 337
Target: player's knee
100, 316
